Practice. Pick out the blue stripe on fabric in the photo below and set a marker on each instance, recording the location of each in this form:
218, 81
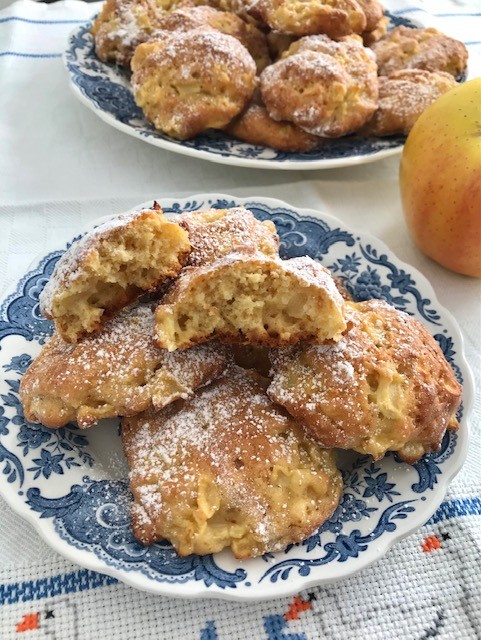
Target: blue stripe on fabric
73, 582
456, 508
31, 21
83, 579
19, 54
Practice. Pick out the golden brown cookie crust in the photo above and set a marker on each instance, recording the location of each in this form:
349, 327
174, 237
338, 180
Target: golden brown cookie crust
227, 468
326, 88
334, 18
403, 96
110, 267
215, 233
193, 81
428, 49
122, 25
255, 126
385, 386
117, 372
374, 12
370, 37
188, 18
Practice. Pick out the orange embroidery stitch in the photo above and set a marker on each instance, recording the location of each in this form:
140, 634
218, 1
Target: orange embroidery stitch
29, 623
296, 607
431, 543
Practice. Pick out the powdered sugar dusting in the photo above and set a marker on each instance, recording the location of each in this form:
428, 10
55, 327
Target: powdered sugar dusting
214, 234
227, 426
119, 371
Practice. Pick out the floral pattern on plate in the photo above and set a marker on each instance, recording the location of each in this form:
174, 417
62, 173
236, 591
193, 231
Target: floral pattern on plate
72, 485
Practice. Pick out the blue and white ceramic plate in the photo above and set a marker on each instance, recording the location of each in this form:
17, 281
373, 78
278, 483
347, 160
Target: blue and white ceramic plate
105, 88
71, 485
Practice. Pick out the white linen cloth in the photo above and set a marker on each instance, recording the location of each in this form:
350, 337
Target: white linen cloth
60, 168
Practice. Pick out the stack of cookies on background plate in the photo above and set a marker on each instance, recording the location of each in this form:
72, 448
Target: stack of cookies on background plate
287, 74
237, 375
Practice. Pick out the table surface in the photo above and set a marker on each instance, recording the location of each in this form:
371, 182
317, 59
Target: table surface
61, 167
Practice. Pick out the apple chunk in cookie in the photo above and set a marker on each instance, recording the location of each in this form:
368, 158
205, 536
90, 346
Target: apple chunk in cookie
251, 298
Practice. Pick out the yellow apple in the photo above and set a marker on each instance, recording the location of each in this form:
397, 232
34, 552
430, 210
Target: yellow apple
440, 180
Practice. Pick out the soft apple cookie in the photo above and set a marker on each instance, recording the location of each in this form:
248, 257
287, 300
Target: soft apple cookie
188, 18
110, 267
117, 372
214, 233
189, 82
335, 18
385, 386
256, 126
428, 49
227, 468
326, 88
403, 96
123, 24
251, 298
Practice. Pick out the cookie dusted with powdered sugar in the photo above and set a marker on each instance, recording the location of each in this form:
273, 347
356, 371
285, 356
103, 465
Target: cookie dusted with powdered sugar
188, 82
109, 268
214, 233
227, 468
124, 24
403, 96
187, 18
326, 88
334, 18
117, 372
386, 386
428, 49
251, 298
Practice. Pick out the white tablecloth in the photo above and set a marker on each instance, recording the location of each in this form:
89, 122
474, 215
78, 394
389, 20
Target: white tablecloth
61, 167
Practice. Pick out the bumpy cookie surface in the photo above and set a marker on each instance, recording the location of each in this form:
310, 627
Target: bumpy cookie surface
324, 87
214, 233
255, 126
117, 372
188, 18
334, 18
124, 24
227, 468
403, 96
385, 386
429, 49
189, 82
110, 267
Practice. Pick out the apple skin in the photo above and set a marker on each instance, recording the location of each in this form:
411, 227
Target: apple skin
440, 180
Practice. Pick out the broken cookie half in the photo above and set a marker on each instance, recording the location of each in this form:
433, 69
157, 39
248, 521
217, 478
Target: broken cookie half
250, 298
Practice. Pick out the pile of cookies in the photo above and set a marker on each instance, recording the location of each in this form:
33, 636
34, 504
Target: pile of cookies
288, 74
236, 373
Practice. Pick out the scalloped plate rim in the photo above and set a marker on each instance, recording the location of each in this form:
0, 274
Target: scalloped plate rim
196, 590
